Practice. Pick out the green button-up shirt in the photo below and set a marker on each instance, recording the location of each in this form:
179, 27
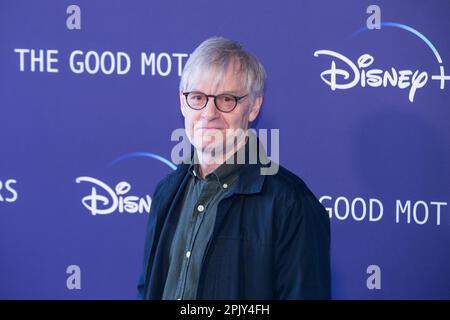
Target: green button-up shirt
194, 229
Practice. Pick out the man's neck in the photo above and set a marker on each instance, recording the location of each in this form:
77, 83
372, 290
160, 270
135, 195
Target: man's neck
208, 164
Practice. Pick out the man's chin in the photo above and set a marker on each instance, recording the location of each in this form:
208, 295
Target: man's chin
209, 147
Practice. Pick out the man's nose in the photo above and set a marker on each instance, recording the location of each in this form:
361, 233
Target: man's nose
210, 111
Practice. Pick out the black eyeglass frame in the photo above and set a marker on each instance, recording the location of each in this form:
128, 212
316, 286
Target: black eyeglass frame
236, 100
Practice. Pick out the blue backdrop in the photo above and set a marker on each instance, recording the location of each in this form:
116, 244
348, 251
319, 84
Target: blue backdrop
89, 99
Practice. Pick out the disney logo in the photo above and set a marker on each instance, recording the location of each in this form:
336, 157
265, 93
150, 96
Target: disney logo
402, 79
112, 199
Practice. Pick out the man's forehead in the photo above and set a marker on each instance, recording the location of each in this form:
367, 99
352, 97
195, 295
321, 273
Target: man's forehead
230, 78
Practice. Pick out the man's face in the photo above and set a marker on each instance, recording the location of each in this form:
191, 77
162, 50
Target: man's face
202, 126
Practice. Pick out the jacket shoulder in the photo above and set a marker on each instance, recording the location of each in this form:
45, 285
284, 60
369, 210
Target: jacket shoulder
290, 189
169, 181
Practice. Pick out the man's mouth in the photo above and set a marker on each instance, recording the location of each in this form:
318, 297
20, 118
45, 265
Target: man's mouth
210, 128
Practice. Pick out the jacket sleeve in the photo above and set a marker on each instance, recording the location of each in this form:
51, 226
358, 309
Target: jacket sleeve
149, 235
302, 259
147, 247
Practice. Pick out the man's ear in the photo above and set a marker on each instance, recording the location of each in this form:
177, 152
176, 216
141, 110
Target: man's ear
182, 107
254, 109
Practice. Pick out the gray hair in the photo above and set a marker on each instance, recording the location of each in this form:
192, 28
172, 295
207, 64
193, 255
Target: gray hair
220, 52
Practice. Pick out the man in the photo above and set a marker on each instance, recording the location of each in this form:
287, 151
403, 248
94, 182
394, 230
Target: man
219, 228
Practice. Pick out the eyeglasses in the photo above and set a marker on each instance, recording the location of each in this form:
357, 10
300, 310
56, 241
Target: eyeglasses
223, 102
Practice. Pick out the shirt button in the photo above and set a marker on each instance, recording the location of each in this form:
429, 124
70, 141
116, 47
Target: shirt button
188, 254
225, 186
200, 208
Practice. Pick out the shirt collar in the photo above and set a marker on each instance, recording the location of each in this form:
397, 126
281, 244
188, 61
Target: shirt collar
249, 181
225, 174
